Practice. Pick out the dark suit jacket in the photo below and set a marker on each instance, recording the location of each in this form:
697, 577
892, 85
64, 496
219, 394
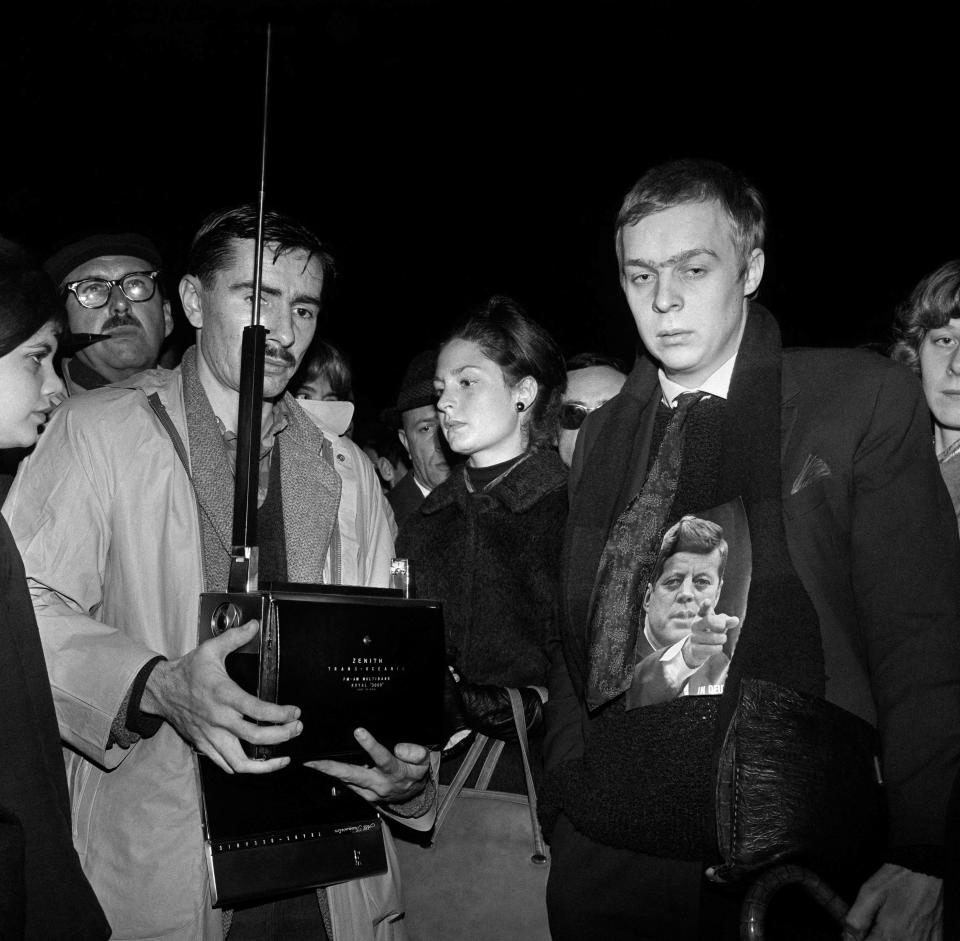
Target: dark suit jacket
405, 498
871, 533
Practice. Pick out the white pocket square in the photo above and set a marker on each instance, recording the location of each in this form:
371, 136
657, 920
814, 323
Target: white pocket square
814, 468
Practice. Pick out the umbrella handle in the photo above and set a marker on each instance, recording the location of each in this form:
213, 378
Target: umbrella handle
755, 904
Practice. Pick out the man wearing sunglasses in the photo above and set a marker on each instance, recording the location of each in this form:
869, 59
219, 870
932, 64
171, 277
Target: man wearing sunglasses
592, 380
111, 285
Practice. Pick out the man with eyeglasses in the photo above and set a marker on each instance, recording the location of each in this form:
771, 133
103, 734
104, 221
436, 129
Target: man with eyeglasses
111, 285
592, 380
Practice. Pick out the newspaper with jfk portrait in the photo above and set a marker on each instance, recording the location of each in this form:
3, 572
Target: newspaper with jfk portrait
693, 607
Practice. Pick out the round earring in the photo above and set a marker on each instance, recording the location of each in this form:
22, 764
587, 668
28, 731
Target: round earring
520, 406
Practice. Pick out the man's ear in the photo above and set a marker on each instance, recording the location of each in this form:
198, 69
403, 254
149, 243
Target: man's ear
386, 469
402, 435
754, 272
191, 291
646, 596
167, 319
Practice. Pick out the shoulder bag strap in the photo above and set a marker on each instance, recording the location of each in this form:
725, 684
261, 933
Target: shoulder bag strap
171, 429
489, 765
163, 416
539, 851
456, 785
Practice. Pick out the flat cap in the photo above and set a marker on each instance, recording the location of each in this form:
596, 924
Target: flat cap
60, 264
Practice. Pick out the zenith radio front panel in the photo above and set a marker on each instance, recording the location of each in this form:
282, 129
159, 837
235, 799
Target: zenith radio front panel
347, 658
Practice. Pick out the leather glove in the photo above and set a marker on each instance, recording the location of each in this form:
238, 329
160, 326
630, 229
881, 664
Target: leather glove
487, 709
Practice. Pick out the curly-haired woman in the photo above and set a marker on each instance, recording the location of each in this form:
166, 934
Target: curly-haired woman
928, 340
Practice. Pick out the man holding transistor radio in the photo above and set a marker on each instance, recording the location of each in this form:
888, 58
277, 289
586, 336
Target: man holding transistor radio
123, 518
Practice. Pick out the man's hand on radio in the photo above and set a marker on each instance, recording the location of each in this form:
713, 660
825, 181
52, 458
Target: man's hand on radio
395, 776
197, 697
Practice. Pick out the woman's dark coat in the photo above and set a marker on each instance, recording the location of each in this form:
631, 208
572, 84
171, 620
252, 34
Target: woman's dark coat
493, 559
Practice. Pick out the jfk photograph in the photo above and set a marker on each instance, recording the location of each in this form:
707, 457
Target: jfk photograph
694, 607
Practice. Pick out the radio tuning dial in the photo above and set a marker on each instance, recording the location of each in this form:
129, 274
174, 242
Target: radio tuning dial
224, 617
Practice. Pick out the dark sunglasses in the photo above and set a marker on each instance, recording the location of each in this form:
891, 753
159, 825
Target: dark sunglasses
572, 416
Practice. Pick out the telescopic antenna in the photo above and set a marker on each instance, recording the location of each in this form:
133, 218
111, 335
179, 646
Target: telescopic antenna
244, 562
258, 263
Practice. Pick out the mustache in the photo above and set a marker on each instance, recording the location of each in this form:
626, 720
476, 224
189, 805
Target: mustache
119, 320
275, 351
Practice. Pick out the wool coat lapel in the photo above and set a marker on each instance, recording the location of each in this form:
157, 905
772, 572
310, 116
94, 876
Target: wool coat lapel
311, 497
211, 477
788, 410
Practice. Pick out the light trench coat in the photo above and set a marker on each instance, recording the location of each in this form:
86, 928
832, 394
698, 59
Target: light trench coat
106, 520
365, 523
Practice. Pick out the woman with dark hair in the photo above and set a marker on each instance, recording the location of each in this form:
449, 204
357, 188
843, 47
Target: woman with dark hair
487, 541
928, 341
43, 892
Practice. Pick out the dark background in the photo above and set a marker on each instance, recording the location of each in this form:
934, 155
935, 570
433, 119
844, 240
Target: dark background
451, 150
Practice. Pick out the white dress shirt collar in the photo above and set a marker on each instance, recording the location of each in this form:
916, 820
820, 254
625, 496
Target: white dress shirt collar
717, 384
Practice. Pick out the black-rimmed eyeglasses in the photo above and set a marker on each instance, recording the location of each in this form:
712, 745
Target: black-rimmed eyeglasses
95, 292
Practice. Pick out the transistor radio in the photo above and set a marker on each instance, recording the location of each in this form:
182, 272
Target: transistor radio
347, 657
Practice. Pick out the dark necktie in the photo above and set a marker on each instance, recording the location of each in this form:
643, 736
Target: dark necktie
627, 562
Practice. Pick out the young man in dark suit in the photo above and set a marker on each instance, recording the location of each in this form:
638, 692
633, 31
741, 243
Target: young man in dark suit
854, 595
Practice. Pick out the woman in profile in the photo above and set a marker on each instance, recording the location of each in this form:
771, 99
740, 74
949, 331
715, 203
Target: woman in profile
43, 892
928, 341
487, 541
